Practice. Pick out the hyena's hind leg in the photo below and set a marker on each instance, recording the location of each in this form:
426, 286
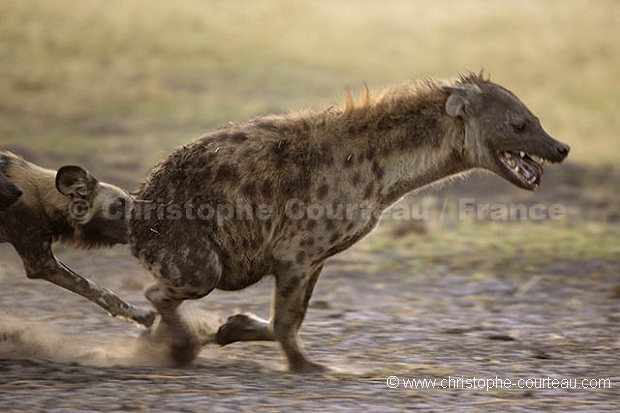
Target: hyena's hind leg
172, 329
180, 279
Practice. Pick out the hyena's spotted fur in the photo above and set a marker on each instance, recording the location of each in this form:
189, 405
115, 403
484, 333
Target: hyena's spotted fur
363, 158
72, 207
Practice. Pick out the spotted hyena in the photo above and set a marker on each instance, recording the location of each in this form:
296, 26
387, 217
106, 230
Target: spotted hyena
273, 170
69, 206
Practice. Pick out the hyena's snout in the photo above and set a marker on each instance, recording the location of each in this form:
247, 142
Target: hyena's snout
562, 148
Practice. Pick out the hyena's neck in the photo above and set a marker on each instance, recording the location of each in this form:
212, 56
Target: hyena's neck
409, 171
404, 141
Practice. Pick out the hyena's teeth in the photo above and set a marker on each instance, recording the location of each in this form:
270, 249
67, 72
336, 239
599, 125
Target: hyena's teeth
539, 160
511, 163
522, 154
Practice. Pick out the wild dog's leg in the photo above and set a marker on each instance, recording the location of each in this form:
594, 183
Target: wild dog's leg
103, 297
292, 294
40, 263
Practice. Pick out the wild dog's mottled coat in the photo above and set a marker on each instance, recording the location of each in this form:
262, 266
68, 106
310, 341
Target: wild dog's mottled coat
88, 214
9, 192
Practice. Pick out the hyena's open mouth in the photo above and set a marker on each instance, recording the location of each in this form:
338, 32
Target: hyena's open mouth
524, 167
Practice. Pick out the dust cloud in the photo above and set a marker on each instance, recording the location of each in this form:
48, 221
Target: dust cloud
36, 340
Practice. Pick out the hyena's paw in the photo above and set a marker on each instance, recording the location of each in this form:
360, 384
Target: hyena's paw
243, 327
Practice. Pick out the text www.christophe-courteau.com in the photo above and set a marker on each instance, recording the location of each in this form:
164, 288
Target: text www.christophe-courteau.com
487, 384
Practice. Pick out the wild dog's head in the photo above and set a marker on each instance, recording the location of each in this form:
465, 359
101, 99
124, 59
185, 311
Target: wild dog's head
501, 134
9, 192
97, 210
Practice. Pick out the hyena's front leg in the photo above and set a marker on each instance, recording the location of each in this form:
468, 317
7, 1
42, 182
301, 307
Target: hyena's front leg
42, 264
291, 296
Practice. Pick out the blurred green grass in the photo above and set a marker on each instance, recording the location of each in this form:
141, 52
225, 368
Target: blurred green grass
486, 248
116, 84
144, 76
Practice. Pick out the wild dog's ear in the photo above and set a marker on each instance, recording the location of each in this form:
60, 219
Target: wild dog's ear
462, 97
75, 181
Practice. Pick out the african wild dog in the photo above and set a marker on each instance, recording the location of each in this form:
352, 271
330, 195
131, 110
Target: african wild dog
367, 156
70, 206
9, 192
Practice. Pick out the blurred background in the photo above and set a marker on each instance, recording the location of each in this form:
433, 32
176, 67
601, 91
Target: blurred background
114, 85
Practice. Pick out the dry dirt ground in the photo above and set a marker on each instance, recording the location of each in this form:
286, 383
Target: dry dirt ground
59, 352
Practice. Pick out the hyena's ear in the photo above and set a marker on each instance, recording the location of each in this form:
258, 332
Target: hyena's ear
462, 98
75, 181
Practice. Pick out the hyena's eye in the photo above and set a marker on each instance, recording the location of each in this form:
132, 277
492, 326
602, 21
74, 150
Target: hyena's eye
519, 126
